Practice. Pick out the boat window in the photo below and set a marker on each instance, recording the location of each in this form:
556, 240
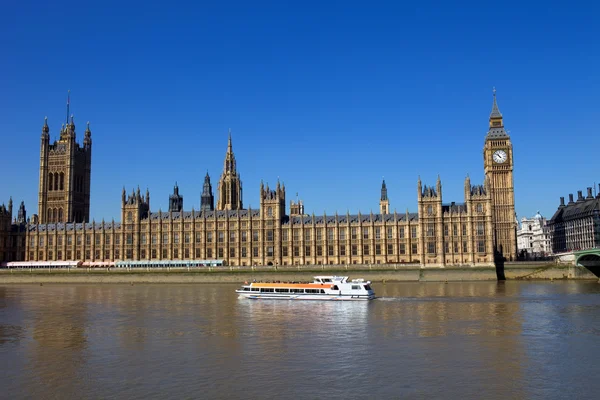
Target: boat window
282, 290
323, 291
255, 289
246, 289
326, 280
335, 287
355, 287
266, 290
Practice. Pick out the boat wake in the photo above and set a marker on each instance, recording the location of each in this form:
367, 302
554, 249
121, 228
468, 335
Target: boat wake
396, 298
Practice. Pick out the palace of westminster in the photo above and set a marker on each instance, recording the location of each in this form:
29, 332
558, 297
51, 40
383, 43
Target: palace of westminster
473, 232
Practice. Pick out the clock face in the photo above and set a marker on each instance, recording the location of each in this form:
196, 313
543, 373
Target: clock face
499, 156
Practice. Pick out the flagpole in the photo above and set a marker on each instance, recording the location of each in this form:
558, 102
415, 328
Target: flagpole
68, 101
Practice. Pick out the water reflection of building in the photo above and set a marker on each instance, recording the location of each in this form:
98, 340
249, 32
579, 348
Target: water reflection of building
459, 323
59, 347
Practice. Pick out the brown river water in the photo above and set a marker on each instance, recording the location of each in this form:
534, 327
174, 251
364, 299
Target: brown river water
475, 340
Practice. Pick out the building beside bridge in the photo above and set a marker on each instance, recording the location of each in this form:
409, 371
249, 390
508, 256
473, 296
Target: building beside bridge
575, 226
471, 232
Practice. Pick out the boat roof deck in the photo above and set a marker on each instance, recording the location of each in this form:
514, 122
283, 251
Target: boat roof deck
298, 285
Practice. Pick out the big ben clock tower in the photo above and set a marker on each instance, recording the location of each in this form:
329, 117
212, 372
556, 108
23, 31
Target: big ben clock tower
498, 166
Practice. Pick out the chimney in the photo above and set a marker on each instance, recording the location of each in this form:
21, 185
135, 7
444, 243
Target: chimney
589, 196
579, 195
570, 198
562, 202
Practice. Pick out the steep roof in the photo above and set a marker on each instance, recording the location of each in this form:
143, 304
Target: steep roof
579, 209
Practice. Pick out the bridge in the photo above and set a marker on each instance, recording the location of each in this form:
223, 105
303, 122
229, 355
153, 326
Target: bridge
590, 259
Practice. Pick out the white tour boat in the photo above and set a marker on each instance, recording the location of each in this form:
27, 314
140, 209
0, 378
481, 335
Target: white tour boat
322, 288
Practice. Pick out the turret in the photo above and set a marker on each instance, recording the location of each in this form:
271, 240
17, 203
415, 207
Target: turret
45, 131
467, 187
384, 203
296, 207
134, 204
272, 202
87, 140
175, 200
207, 200
22, 215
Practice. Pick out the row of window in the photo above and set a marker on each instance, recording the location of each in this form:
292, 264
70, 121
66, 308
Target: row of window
355, 232
278, 290
129, 237
478, 209
319, 248
269, 251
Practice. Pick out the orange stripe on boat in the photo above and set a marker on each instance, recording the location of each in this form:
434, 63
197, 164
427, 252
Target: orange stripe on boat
292, 285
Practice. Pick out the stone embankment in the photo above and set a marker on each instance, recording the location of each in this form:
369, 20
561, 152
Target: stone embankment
374, 273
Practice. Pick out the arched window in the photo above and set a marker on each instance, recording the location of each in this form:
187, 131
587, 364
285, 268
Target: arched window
429, 210
270, 212
129, 216
60, 215
49, 215
479, 208
62, 181
50, 181
54, 215
56, 181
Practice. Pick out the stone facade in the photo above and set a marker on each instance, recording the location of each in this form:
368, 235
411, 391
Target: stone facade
498, 166
576, 225
438, 234
12, 233
65, 175
533, 238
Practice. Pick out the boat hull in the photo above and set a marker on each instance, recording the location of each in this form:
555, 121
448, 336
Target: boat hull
285, 296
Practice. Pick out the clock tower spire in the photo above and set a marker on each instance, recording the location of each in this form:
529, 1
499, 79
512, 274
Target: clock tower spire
498, 167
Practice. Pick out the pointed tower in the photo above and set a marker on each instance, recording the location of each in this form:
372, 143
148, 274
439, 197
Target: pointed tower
65, 172
22, 214
384, 203
498, 167
230, 185
175, 200
207, 200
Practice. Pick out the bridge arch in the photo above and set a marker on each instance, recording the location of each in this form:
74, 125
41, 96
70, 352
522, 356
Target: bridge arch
589, 259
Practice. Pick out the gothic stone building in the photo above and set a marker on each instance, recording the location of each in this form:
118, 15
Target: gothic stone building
438, 234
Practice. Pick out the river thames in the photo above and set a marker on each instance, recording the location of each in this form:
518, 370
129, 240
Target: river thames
489, 340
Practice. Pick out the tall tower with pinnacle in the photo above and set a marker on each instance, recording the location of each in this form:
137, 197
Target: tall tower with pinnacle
384, 203
230, 185
207, 200
498, 167
65, 173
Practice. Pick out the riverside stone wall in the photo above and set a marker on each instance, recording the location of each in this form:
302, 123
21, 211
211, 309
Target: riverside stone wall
374, 273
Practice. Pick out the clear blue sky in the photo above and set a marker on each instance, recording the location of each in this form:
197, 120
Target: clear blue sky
328, 96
